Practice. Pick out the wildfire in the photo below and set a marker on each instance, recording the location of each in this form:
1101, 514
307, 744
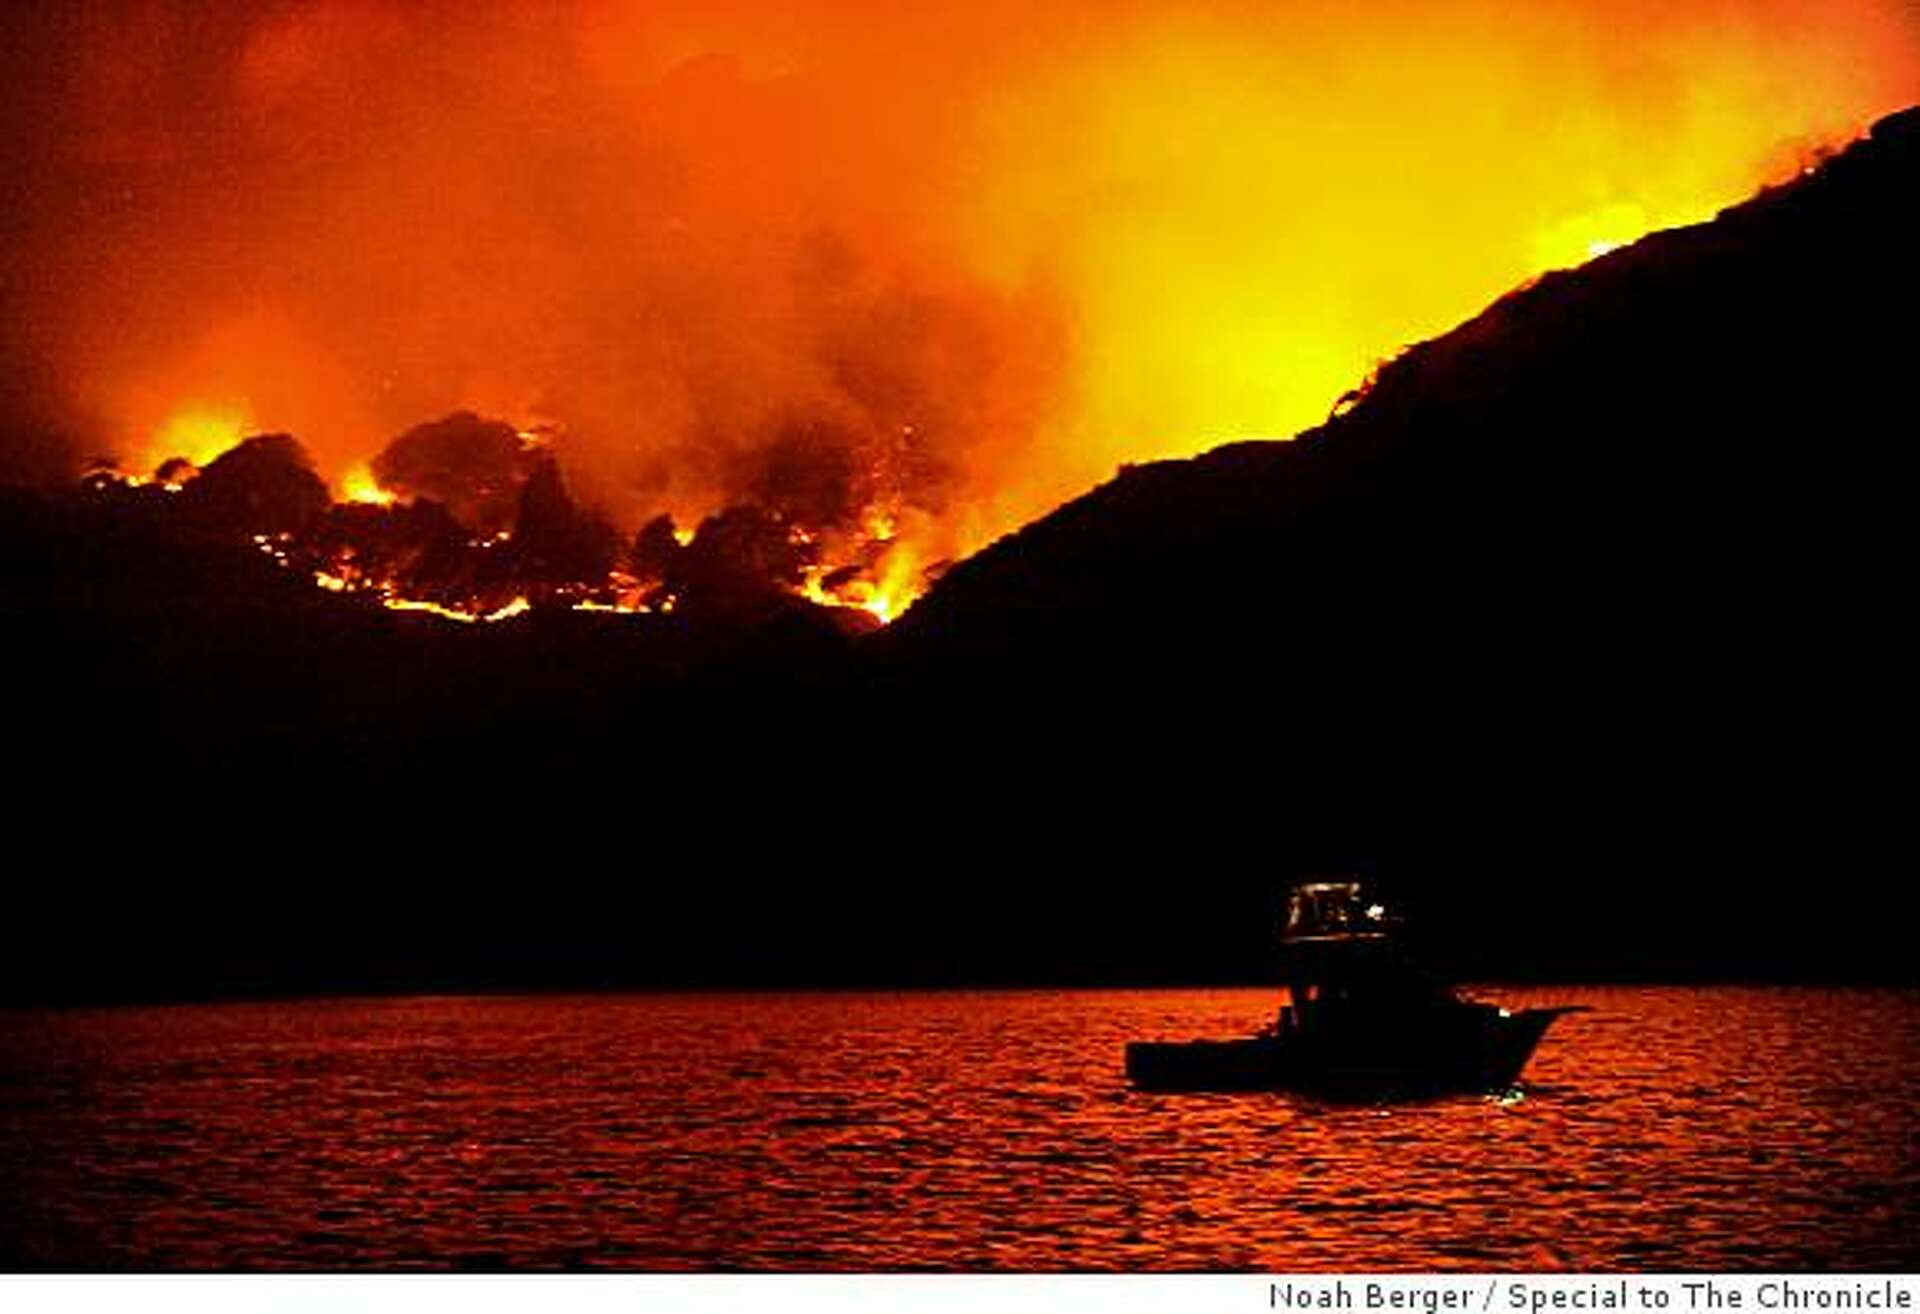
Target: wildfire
895, 584
613, 608
196, 433
413, 557
335, 583
518, 607
359, 485
1592, 234
900, 586
900, 277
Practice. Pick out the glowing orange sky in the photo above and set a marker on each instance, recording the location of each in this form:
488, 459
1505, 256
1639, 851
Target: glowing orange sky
993, 249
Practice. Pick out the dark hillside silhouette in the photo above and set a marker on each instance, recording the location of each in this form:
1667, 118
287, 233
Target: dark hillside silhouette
1681, 451
1601, 589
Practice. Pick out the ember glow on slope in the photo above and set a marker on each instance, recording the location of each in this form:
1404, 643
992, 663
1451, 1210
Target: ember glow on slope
946, 263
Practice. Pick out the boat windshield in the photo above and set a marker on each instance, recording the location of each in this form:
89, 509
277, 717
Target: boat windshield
1333, 910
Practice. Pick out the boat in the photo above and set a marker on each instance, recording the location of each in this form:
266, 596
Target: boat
1360, 1018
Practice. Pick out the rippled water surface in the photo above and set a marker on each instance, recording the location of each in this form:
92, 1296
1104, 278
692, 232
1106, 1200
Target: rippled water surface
1671, 1128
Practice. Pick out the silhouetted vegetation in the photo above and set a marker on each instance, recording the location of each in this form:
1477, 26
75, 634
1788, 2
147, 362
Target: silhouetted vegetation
472, 466
266, 485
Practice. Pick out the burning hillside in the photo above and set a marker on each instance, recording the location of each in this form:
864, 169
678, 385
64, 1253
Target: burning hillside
1601, 454
471, 520
1660, 488
861, 286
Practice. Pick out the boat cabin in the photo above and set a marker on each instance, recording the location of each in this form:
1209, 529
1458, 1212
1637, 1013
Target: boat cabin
1333, 911
1341, 950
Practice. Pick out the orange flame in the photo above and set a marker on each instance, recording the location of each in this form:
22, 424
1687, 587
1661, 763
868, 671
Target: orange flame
197, 431
965, 256
359, 485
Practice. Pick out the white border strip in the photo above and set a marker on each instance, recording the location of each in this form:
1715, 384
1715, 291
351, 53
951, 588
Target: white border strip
961, 1294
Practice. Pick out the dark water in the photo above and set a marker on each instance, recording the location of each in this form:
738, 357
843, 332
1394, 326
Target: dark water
1672, 1129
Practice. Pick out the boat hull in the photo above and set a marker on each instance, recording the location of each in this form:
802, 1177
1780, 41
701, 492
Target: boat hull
1463, 1049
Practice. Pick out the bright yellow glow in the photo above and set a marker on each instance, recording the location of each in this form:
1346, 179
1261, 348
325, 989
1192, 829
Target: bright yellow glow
617, 608
899, 584
518, 607
886, 590
359, 485
1595, 232
1250, 207
198, 432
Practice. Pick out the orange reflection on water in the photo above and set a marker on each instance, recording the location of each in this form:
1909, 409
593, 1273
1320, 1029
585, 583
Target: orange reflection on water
1715, 1128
